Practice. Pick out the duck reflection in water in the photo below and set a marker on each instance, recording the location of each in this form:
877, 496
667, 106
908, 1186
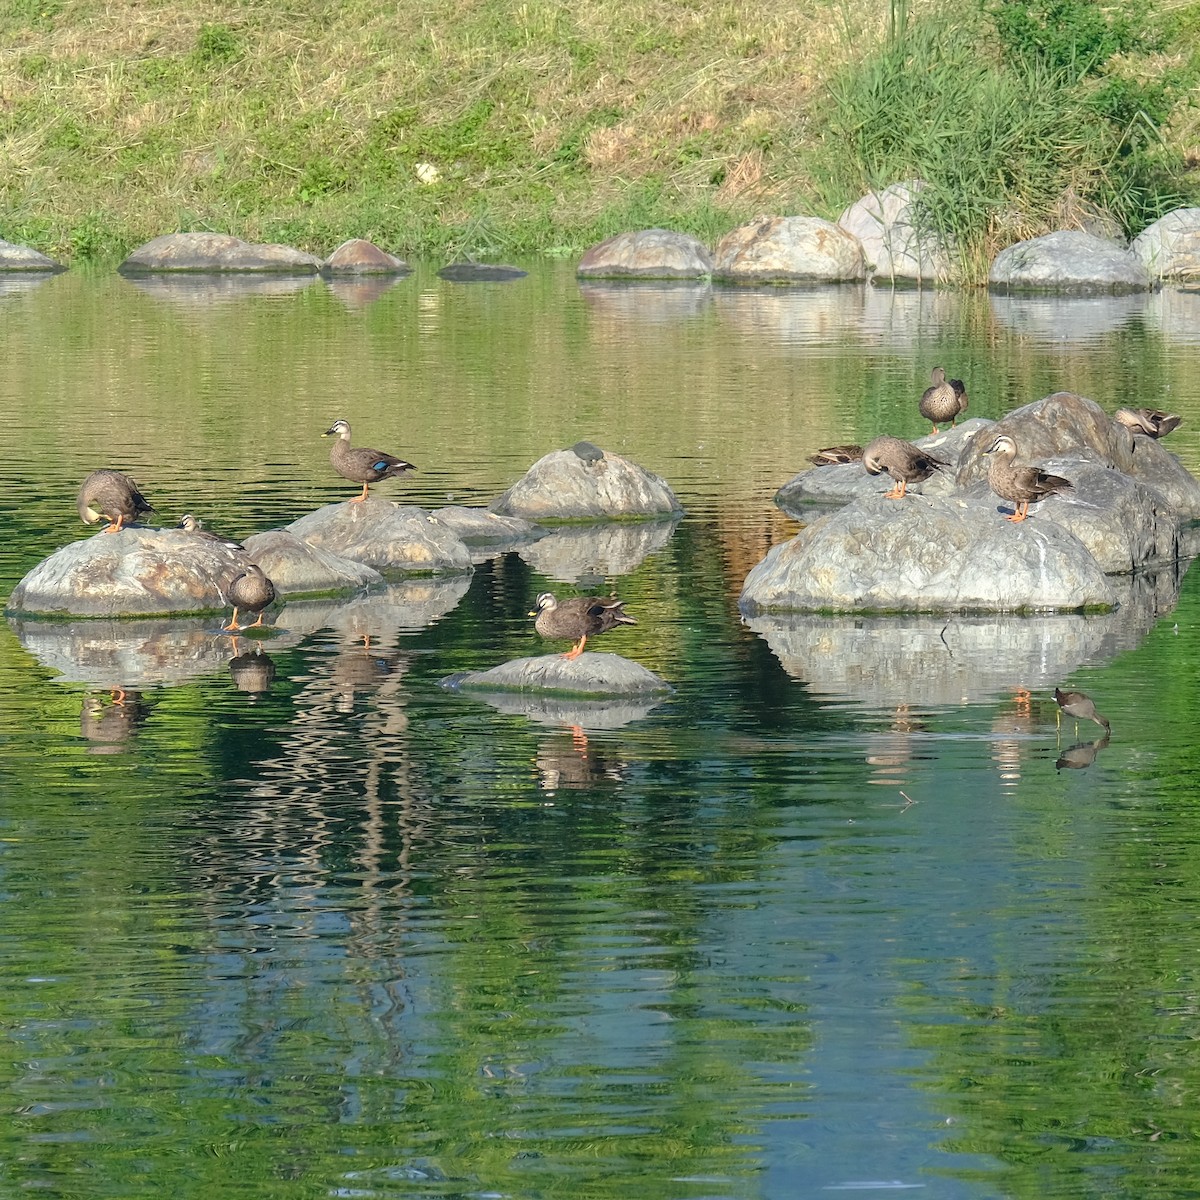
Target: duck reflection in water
252, 671
577, 765
1082, 754
109, 721
892, 751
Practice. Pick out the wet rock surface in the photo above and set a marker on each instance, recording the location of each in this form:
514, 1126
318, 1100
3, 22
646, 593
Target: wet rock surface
591, 673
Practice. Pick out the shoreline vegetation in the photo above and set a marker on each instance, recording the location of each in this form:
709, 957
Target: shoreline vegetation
518, 129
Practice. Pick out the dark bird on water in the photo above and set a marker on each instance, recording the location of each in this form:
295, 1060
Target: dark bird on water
578, 618
359, 463
943, 401
1080, 706
251, 591
903, 461
1019, 483
113, 496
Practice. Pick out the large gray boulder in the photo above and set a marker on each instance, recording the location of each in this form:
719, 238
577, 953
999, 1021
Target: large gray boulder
482, 527
926, 554
591, 674
894, 243
586, 483
361, 257
1170, 248
139, 571
24, 258
295, 566
647, 254
386, 536
788, 250
603, 551
1068, 261
216, 252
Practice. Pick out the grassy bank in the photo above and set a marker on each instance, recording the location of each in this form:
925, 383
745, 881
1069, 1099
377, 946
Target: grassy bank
546, 127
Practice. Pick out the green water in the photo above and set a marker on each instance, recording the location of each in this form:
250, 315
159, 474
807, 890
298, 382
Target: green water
838, 915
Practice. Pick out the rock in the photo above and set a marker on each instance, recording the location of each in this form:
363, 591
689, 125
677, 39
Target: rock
893, 245
591, 674
25, 258
1068, 261
295, 566
360, 257
386, 536
925, 554
788, 250
604, 551
647, 254
482, 527
125, 654
562, 486
1153, 464
139, 571
1126, 525
216, 252
844, 482
469, 272
1170, 248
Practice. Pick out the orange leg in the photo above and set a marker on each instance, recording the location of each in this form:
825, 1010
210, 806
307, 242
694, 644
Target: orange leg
897, 491
233, 626
360, 499
118, 695
256, 623
115, 526
577, 649
1022, 510
934, 430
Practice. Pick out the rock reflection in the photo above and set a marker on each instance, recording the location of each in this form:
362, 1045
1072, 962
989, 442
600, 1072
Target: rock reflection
198, 290
14, 283
126, 654
1067, 319
884, 662
1175, 312
890, 753
1016, 726
644, 303
1080, 755
571, 712
359, 291
110, 720
599, 551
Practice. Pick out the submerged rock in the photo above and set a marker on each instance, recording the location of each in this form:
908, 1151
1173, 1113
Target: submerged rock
586, 483
647, 254
216, 252
294, 565
138, 571
386, 536
592, 674
925, 554
1068, 261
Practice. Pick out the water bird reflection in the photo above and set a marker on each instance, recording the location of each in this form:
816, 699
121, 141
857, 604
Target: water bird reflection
1080, 755
110, 720
252, 671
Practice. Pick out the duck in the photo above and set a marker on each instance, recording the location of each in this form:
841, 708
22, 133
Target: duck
903, 461
578, 618
942, 401
191, 524
833, 455
1152, 422
1080, 706
360, 464
113, 496
1020, 484
252, 591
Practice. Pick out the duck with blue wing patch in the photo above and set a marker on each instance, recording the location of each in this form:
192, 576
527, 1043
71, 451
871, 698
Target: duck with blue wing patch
360, 463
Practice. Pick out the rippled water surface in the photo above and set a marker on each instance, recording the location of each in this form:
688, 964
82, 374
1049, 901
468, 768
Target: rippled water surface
846, 912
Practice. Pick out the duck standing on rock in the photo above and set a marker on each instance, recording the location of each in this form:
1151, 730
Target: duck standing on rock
578, 618
903, 461
1020, 484
252, 591
359, 463
1152, 422
943, 401
113, 496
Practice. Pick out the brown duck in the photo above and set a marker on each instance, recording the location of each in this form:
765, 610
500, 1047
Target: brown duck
834, 455
360, 464
942, 401
1152, 422
578, 618
1018, 483
903, 461
1080, 706
113, 496
251, 591
192, 524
